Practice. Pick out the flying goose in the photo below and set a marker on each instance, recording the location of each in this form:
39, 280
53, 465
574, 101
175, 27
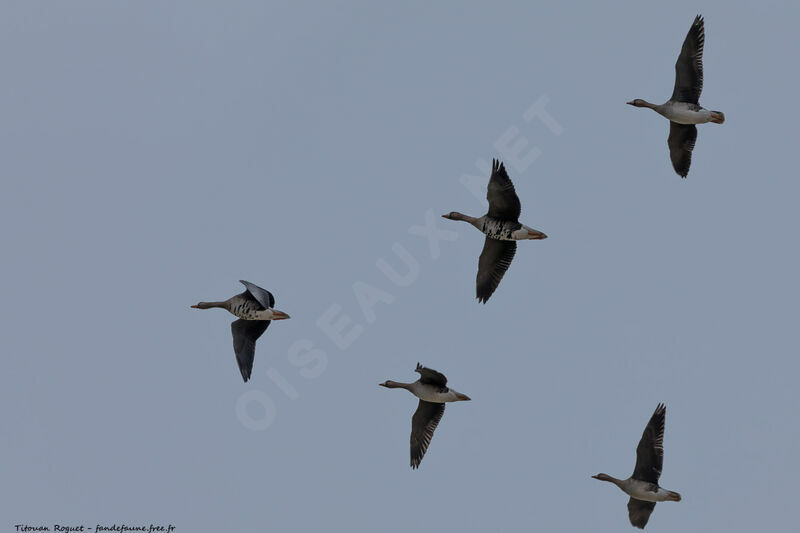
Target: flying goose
431, 389
254, 307
642, 486
502, 228
683, 109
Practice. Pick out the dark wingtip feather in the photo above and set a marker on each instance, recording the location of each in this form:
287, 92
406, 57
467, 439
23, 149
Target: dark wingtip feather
699, 27
660, 413
699, 21
246, 372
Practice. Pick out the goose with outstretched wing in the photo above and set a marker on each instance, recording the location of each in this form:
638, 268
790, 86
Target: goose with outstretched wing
432, 390
255, 309
683, 109
642, 486
502, 228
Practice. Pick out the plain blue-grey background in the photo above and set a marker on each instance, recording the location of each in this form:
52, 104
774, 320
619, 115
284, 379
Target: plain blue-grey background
154, 153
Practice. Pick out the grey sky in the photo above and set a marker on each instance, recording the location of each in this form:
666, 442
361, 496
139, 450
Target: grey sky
154, 153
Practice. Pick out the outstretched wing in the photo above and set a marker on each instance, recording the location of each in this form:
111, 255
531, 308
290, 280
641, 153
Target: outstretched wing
245, 335
689, 67
681, 143
650, 452
495, 259
429, 376
423, 424
262, 296
503, 200
639, 512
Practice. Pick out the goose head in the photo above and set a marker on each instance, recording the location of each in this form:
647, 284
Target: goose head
210, 305
641, 103
603, 477
455, 215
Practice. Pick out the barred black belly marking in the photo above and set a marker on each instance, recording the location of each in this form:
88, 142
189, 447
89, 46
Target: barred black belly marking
245, 309
500, 229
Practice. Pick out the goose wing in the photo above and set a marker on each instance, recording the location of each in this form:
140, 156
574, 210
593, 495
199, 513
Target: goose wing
503, 200
681, 143
689, 67
495, 259
429, 376
650, 452
639, 512
262, 296
423, 424
245, 335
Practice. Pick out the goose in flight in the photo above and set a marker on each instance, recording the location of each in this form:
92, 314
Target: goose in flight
502, 228
432, 391
642, 486
683, 109
254, 307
